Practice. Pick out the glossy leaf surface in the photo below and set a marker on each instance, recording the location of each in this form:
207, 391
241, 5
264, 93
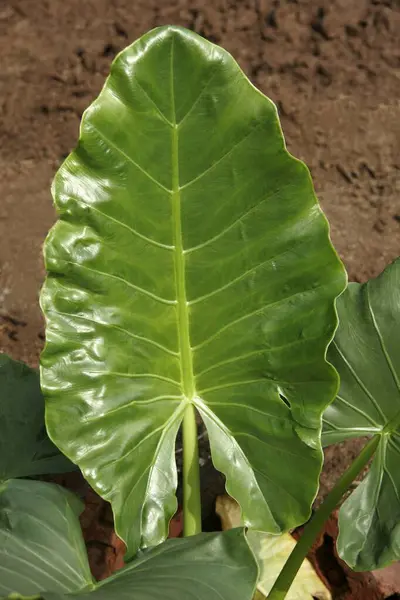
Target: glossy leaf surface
191, 264
41, 544
217, 566
25, 449
271, 552
366, 353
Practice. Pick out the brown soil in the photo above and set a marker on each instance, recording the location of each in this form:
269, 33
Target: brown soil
332, 67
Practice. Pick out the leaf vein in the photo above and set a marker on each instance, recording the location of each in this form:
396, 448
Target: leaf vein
129, 405
134, 376
252, 314
276, 448
26, 548
125, 225
231, 226
360, 382
200, 95
19, 574
234, 405
36, 567
254, 353
237, 279
217, 162
129, 158
128, 283
168, 425
165, 119
358, 410
117, 328
223, 386
145, 438
384, 349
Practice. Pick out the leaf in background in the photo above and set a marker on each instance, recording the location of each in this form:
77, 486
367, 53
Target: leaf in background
41, 544
366, 353
191, 264
25, 449
271, 552
209, 566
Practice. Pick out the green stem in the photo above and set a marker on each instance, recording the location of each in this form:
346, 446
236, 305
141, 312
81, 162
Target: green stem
191, 474
313, 527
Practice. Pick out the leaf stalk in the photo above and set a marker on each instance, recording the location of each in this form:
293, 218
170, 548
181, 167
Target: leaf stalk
191, 474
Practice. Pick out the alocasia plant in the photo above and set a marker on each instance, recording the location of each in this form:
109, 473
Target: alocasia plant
190, 270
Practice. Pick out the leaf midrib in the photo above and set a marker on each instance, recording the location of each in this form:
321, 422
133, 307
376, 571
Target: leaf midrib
185, 351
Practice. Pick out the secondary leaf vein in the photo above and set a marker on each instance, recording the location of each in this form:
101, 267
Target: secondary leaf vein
128, 158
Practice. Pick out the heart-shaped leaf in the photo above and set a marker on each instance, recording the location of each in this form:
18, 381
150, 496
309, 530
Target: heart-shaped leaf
366, 352
191, 266
25, 449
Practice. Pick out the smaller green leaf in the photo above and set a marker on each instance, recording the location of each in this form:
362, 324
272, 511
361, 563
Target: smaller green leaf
25, 449
271, 552
41, 544
366, 353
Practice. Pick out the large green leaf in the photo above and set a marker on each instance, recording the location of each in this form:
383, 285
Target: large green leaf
41, 544
191, 265
25, 449
366, 352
